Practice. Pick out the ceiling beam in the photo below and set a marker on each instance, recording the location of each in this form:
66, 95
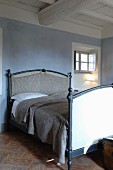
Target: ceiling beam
97, 15
62, 9
48, 1
19, 5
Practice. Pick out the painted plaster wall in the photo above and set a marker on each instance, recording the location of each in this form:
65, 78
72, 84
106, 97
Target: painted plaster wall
0, 61
107, 61
26, 46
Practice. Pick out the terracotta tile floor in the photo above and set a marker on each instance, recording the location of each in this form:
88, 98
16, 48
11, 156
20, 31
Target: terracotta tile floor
19, 151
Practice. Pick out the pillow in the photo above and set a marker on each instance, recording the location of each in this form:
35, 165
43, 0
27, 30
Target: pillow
24, 96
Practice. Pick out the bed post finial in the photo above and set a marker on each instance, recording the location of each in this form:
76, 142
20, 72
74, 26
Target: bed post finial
112, 85
8, 73
43, 70
70, 77
70, 101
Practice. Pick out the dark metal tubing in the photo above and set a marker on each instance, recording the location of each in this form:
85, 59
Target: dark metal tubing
92, 89
8, 74
70, 101
41, 70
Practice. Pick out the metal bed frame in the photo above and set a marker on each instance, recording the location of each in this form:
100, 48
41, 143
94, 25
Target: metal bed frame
71, 153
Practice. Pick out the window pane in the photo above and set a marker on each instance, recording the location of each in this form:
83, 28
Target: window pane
92, 67
77, 65
92, 58
84, 58
84, 67
77, 56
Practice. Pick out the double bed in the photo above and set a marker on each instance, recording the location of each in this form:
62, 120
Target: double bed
42, 103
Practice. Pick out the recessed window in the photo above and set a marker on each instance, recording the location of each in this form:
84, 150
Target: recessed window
84, 61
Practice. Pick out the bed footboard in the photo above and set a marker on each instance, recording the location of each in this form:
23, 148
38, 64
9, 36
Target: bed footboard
91, 110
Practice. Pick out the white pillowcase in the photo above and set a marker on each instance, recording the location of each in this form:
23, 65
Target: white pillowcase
24, 96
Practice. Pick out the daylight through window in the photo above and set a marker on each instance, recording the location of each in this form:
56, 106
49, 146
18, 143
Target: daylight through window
84, 61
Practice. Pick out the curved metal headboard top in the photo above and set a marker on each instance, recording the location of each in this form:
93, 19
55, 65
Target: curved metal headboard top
37, 70
39, 80
92, 89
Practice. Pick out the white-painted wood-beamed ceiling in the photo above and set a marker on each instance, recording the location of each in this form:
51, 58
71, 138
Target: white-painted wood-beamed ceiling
93, 13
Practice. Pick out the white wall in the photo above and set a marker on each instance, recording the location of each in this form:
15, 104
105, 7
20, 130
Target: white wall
0, 71
0, 61
79, 79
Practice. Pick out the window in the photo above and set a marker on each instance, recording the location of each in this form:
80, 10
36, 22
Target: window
84, 61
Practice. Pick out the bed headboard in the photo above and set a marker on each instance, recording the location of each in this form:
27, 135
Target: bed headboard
40, 80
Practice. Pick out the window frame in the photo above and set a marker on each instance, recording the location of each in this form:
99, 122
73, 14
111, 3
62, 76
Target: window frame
80, 63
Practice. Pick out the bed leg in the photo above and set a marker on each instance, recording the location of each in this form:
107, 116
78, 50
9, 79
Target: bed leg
69, 161
70, 101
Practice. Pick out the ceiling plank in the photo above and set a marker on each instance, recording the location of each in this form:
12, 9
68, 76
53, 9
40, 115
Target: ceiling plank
107, 2
86, 24
19, 5
48, 1
97, 15
62, 9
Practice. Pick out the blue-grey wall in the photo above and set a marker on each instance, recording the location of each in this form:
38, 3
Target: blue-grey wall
107, 61
26, 46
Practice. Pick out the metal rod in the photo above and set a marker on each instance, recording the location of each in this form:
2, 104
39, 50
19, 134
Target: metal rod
8, 74
70, 101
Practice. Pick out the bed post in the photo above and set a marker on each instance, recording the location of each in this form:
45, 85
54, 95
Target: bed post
70, 101
8, 74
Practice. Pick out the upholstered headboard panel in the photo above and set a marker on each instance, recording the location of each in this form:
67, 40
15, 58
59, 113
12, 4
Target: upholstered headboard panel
44, 82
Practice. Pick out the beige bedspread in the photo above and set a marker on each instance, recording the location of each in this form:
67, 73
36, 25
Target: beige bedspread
46, 117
